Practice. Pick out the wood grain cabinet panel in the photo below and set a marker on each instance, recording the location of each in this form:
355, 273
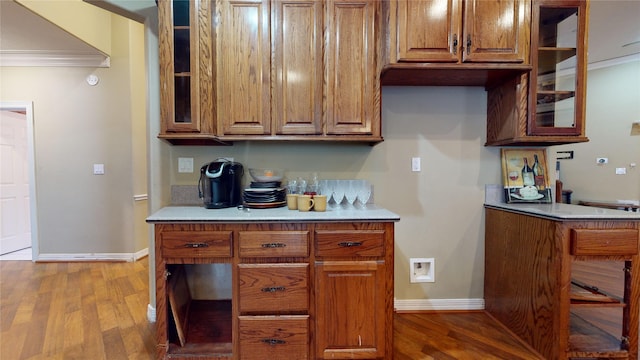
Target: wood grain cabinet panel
297, 66
457, 31
298, 290
530, 286
196, 244
273, 288
243, 67
350, 310
274, 337
351, 75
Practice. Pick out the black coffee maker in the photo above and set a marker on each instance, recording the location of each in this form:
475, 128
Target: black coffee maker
220, 184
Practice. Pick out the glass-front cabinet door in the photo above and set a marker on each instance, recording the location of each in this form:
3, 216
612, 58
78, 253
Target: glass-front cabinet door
183, 70
558, 79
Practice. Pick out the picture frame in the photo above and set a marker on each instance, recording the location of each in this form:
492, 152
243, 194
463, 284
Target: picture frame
525, 176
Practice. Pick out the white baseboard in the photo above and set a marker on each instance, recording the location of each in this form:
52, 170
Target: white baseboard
438, 304
151, 313
123, 257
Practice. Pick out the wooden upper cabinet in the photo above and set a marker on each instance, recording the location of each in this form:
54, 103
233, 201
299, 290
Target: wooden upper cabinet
297, 66
352, 74
186, 74
496, 31
243, 67
546, 106
456, 31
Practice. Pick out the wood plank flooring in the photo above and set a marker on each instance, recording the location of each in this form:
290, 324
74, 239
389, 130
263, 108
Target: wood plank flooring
98, 311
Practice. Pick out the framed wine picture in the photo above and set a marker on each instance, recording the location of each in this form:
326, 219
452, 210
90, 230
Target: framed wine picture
525, 176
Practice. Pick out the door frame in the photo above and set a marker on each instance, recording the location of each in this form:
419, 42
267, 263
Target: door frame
27, 107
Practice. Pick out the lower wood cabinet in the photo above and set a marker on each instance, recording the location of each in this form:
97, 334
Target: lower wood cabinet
276, 290
532, 288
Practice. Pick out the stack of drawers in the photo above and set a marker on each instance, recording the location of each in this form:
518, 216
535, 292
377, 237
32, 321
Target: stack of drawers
273, 297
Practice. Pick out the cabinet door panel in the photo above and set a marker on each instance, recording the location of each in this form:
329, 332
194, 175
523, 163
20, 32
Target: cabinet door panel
428, 30
496, 31
184, 37
297, 70
350, 310
243, 67
350, 65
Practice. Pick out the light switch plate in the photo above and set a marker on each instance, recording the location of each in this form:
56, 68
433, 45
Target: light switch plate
185, 165
621, 171
98, 169
415, 164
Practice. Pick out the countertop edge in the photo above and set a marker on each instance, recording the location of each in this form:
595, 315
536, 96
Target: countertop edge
198, 214
558, 211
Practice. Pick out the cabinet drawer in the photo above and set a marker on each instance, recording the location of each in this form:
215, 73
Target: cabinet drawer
349, 242
274, 337
196, 244
274, 288
604, 241
274, 243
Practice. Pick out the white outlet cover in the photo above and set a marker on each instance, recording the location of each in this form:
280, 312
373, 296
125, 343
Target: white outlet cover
621, 171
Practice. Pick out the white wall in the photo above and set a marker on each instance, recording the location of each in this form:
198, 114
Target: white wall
441, 207
613, 103
75, 126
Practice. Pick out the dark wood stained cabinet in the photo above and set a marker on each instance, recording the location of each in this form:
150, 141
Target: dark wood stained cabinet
271, 70
530, 285
295, 290
547, 105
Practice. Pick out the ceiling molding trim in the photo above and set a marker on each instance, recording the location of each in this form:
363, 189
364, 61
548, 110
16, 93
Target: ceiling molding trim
53, 58
614, 62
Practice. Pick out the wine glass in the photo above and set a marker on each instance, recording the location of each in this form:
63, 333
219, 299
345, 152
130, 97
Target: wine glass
338, 192
364, 193
351, 191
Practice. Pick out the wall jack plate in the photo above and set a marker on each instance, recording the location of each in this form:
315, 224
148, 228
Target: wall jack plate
422, 270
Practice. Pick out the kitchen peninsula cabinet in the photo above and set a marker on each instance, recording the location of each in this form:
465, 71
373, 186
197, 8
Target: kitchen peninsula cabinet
276, 70
531, 287
546, 106
302, 286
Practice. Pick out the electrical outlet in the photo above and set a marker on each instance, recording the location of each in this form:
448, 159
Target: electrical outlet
422, 270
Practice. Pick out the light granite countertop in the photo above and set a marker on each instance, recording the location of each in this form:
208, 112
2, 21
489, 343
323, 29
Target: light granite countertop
282, 214
560, 211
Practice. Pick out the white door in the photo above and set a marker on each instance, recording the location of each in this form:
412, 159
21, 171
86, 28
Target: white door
15, 227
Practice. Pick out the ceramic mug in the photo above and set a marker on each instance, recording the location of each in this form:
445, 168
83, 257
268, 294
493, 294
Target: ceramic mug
305, 202
320, 203
292, 201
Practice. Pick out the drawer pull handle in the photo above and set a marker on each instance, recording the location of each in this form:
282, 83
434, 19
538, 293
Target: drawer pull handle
196, 245
273, 245
273, 289
350, 243
273, 341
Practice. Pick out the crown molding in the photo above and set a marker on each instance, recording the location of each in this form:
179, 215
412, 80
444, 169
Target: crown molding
53, 58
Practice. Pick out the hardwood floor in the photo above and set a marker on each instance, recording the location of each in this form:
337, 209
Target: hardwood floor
98, 311
75, 311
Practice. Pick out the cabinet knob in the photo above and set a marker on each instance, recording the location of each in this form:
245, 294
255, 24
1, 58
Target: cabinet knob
273, 341
196, 245
455, 44
274, 245
273, 289
350, 243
